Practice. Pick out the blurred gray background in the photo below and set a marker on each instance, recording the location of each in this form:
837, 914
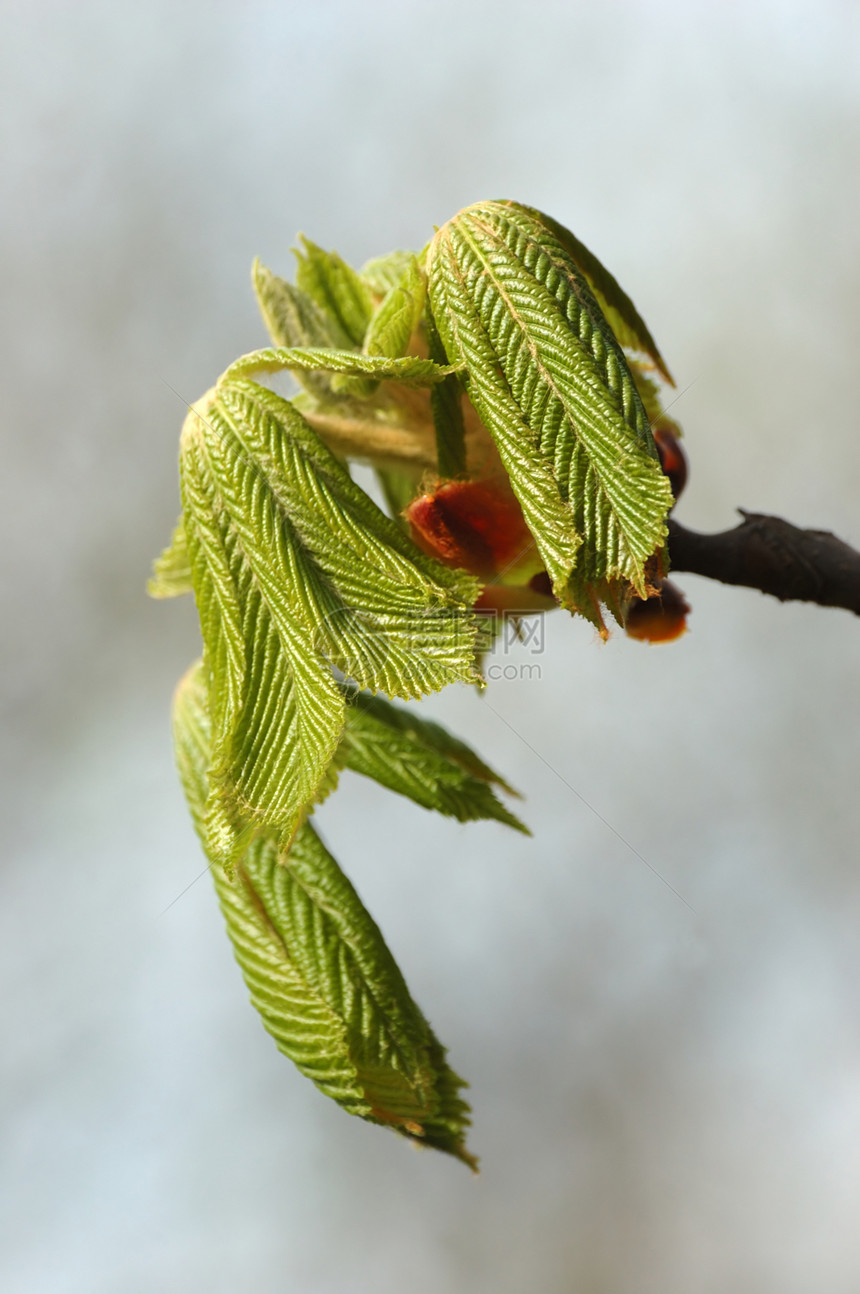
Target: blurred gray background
666, 1090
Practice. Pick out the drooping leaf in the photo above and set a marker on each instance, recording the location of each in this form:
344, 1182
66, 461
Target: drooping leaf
392, 618
419, 759
551, 384
277, 713
337, 289
398, 314
319, 972
627, 324
171, 572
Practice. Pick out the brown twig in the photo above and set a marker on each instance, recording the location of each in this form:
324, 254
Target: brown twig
774, 556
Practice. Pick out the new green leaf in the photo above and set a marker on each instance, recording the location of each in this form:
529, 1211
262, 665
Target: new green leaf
398, 314
551, 384
296, 570
337, 289
319, 972
383, 272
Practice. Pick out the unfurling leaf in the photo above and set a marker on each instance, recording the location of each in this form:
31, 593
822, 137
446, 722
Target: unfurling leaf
291, 317
296, 570
319, 972
419, 759
551, 384
397, 317
337, 289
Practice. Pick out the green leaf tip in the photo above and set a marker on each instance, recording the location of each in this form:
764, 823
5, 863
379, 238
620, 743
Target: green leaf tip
551, 383
319, 972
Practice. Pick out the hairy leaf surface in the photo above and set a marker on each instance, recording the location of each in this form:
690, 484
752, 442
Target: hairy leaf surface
290, 315
550, 382
319, 972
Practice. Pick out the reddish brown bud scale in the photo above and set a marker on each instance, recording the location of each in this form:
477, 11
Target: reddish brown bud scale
475, 525
659, 619
478, 526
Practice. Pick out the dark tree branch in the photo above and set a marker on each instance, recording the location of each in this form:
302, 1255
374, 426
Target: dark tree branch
770, 554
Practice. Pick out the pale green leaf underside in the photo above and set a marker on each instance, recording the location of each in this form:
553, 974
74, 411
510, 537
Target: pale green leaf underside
410, 370
296, 570
419, 759
552, 385
319, 972
171, 572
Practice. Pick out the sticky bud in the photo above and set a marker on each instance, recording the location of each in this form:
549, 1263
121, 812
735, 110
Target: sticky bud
475, 525
659, 619
479, 527
673, 460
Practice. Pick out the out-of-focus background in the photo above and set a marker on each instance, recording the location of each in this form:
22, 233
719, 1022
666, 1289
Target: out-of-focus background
666, 1089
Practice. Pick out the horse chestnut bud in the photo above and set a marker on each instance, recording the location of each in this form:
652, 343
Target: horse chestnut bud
659, 619
479, 527
476, 525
